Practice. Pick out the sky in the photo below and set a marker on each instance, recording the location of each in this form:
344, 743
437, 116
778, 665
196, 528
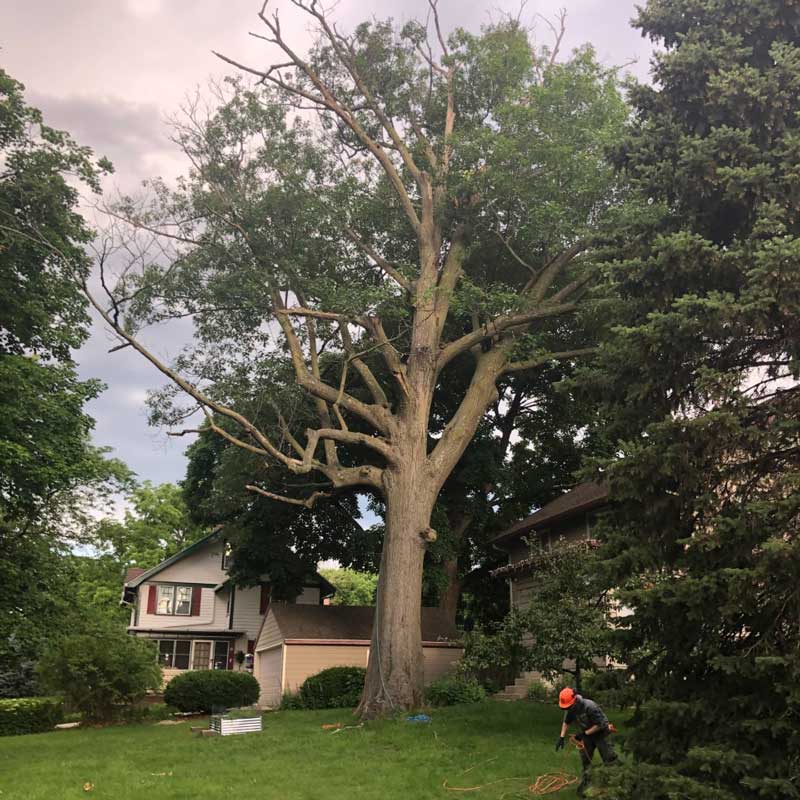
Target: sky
112, 73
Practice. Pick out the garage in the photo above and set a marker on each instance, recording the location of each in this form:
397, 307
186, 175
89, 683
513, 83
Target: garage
297, 641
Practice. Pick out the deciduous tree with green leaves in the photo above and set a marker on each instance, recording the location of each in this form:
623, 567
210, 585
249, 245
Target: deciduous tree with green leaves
439, 213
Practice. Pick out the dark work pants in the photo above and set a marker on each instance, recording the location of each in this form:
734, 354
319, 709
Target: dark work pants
602, 743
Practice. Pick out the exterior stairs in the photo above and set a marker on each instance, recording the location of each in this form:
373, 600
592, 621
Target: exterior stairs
519, 689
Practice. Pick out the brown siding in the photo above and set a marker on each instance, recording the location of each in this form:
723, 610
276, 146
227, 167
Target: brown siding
270, 634
268, 669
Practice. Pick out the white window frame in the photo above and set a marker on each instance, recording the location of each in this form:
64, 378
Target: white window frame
173, 589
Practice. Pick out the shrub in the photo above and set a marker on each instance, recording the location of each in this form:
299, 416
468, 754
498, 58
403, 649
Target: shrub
291, 702
540, 692
30, 715
147, 713
100, 672
453, 691
335, 687
211, 690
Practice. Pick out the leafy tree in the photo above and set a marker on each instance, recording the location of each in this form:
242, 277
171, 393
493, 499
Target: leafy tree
352, 588
568, 620
440, 218
100, 669
157, 526
50, 475
702, 392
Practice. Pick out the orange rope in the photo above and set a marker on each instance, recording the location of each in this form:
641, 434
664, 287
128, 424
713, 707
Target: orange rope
550, 783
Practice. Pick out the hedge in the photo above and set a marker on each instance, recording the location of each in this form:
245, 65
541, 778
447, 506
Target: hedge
30, 715
335, 687
453, 691
210, 691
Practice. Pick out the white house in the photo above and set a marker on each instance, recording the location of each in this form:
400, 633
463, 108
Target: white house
198, 617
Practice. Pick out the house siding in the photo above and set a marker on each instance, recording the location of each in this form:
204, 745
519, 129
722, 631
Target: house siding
269, 669
212, 612
270, 634
202, 566
247, 614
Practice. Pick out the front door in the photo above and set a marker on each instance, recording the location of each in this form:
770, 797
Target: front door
201, 656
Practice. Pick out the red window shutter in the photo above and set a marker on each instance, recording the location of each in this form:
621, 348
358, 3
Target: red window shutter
251, 646
265, 593
196, 590
151, 600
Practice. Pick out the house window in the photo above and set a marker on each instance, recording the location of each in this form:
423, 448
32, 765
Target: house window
174, 600
174, 653
226, 556
221, 655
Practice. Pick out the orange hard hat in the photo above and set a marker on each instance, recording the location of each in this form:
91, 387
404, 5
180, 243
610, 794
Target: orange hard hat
567, 697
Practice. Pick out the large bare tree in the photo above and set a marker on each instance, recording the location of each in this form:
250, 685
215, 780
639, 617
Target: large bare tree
385, 211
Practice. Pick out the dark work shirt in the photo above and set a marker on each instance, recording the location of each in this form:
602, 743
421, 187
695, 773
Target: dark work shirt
587, 714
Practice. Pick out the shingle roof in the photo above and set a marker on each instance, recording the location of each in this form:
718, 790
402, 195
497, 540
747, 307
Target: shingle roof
299, 621
582, 498
134, 572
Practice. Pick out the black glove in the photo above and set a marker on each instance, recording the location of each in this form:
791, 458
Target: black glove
560, 743
579, 737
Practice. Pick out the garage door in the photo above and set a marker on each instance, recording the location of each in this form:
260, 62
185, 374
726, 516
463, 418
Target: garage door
269, 664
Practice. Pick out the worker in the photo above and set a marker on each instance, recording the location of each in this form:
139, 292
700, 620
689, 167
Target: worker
595, 733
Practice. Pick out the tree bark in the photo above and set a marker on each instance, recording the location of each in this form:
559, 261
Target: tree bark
448, 602
394, 679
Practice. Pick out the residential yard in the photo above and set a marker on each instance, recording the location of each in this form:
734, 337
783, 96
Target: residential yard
295, 759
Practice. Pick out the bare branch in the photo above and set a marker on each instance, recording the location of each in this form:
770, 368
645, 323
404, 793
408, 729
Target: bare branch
548, 358
537, 286
307, 503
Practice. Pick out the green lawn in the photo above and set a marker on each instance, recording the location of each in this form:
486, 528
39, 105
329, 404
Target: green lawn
294, 759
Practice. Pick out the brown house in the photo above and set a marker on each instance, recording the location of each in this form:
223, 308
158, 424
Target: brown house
297, 641
567, 521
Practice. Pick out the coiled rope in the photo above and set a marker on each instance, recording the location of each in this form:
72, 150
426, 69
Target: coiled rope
549, 783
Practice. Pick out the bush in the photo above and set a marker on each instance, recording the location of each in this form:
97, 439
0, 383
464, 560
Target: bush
335, 687
291, 702
100, 672
30, 715
453, 691
540, 692
210, 690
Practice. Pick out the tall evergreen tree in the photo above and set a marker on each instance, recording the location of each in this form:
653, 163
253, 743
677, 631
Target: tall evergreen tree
702, 388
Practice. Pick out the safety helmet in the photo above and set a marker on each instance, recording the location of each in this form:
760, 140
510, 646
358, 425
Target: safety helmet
567, 697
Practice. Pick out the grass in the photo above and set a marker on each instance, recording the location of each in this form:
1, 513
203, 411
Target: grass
295, 759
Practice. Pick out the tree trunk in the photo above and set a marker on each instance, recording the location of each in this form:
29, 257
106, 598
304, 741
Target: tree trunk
395, 671
448, 601
459, 522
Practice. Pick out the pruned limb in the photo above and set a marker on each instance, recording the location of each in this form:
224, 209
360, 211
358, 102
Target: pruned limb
547, 358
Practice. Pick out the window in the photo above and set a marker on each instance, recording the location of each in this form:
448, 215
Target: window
202, 655
220, 655
174, 600
174, 653
226, 556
